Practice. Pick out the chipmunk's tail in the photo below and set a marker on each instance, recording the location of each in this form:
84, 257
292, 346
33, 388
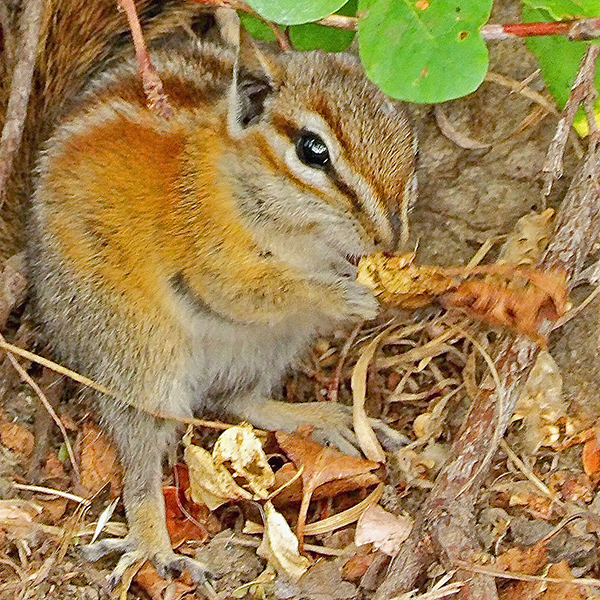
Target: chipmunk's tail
78, 38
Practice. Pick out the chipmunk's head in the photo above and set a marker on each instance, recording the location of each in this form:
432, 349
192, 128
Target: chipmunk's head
336, 155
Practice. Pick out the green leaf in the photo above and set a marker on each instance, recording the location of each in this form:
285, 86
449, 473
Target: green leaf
256, 28
310, 36
294, 12
558, 58
562, 10
424, 50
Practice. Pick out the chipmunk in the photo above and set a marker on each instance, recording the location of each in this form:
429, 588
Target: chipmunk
186, 263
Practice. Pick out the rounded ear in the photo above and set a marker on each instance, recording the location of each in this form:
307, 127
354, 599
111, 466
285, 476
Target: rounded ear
256, 75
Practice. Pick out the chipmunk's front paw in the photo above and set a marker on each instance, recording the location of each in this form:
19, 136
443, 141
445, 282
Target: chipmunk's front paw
167, 563
331, 422
359, 300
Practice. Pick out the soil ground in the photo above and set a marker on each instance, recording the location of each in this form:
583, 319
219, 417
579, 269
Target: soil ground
466, 198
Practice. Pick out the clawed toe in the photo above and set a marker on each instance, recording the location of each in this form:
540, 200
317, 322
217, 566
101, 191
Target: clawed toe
178, 564
336, 437
168, 564
98, 550
390, 438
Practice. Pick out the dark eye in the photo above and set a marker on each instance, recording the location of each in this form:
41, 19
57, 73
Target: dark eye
312, 151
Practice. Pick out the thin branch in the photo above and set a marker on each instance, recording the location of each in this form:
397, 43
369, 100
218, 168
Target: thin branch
340, 22
38, 489
20, 90
36, 388
157, 99
576, 30
583, 87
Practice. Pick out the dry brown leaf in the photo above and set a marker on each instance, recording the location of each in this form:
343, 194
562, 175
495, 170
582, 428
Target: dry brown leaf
279, 545
19, 519
591, 458
367, 440
357, 566
541, 405
157, 588
528, 239
385, 531
395, 280
566, 590
520, 298
99, 464
54, 508
18, 511
16, 437
527, 561
184, 526
321, 465
210, 482
241, 449
523, 590
53, 468
293, 492
517, 297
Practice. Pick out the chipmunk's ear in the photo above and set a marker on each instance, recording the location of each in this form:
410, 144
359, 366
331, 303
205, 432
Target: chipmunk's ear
256, 74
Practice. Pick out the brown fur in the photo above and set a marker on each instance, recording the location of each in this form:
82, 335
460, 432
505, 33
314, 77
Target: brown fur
186, 263
78, 39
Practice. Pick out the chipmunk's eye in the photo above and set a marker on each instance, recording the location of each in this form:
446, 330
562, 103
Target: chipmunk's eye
312, 151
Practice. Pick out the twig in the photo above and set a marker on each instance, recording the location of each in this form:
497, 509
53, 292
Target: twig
453, 134
51, 492
8, 41
20, 90
527, 472
520, 87
157, 99
36, 388
576, 30
340, 22
444, 527
12, 349
581, 581
283, 40
582, 87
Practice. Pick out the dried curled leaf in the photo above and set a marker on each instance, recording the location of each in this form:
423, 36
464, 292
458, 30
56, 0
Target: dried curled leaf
396, 281
240, 447
279, 546
541, 405
322, 464
517, 297
528, 239
383, 529
237, 450
521, 298
210, 482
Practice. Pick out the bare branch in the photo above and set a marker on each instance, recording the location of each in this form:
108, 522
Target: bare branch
20, 90
157, 99
583, 87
